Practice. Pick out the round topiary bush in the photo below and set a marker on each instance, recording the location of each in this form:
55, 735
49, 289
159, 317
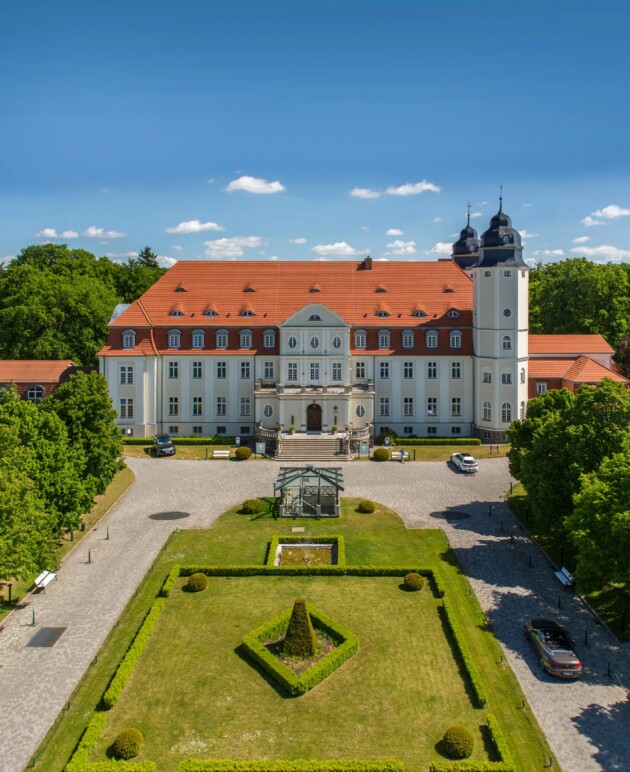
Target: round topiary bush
251, 506
381, 454
128, 743
242, 454
196, 582
458, 742
366, 507
413, 582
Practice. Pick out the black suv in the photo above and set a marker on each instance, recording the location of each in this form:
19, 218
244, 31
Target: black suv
163, 445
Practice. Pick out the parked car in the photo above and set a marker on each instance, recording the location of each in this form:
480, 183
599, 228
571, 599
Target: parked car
163, 445
554, 647
464, 462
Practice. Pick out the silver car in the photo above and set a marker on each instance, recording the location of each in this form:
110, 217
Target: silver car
464, 462
554, 648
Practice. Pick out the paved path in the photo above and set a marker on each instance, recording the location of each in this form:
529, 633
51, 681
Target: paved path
583, 721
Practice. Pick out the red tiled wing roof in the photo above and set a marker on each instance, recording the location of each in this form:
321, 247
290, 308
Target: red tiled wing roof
585, 370
33, 370
568, 345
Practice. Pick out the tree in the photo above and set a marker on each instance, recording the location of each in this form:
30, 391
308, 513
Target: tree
134, 277
299, 640
600, 524
148, 258
84, 405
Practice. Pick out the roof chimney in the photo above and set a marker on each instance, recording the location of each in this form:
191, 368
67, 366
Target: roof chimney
367, 264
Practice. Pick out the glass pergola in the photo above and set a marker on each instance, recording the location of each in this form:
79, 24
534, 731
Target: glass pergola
308, 491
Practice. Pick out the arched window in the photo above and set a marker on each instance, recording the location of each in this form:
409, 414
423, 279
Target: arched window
506, 413
210, 312
360, 411
453, 314
522, 411
314, 318
221, 338
407, 338
383, 339
359, 339
268, 411
174, 338
418, 313
487, 411
507, 343
455, 339
522, 375
382, 313
129, 339
246, 338
269, 339
247, 312
35, 394
175, 312
198, 337
432, 339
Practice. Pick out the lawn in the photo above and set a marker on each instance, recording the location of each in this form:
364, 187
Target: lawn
191, 691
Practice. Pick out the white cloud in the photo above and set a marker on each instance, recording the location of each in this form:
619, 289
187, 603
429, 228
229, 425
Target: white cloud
365, 228
194, 226
441, 248
531, 262
339, 248
47, 233
603, 253
549, 253
274, 257
581, 240
120, 255
590, 221
527, 235
165, 262
399, 247
475, 215
178, 247
381, 259
6, 259
481, 203
435, 220
255, 185
231, 248
611, 212
365, 193
99, 233
412, 189
300, 240
526, 206
394, 232
69, 235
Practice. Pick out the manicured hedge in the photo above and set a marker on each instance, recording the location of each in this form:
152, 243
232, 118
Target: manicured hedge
169, 582
125, 669
464, 653
438, 441
293, 683
303, 539
296, 765
470, 766
498, 740
79, 761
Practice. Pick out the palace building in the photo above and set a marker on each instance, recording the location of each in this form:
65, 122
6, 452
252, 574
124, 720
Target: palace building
424, 348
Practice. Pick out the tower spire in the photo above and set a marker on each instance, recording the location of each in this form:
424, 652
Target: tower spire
468, 223
501, 198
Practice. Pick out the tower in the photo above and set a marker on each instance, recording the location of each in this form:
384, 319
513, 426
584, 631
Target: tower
466, 248
500, 330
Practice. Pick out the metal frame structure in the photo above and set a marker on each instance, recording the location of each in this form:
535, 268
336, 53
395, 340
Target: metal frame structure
309, 491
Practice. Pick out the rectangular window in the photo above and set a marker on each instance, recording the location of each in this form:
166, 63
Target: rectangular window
221, 406
541, 388
456, 429
487, 274
384, 407
197, 430
456, 407
431, 430
359, 340
360, 369
126, 408
507, 274
245, 371
407, 430
487, 377
383, 339
407, 370
432, 340
173, 406
268, 371
314, 371
126, 374
506, 379
173, 340
336, 371
173, 370
432, 406
197, 340
456, 370
222, 339
456, 339
197, 370
197, 405
173, 429
292, 373
245, 407
221, 430
432, 370
407, 339
245, 430
221, 370
407, 406
270, 339
384, 370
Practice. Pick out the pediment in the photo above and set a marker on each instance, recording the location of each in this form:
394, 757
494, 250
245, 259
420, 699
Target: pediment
305, 317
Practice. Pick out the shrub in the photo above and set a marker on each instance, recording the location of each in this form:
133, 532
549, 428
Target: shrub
381, 454
380, 440
299, 640
366, 507
458, 742
197, 582
413, 582
242, 454
128, 743
251, 506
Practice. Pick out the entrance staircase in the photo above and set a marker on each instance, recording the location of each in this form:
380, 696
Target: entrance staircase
313, 448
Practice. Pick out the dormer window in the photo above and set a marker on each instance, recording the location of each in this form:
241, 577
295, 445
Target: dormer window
247, 312
432, 339
407, 338
175, 312
384, 338
453, 314
380, 288
180, 288
448, 289
198, 337
246, 338
418, 313
359, 339
174, 338
455, 339
248, 288
314, 318
383, 314
269, 340
210, 312
129, 339
221, 339
315, 288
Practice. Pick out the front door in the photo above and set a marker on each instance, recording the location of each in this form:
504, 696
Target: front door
313, 418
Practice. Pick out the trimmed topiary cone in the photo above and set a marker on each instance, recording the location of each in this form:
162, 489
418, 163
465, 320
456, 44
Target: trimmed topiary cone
300, 640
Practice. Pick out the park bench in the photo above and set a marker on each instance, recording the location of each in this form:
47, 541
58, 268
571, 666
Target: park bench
564, 577
44, 579
220, 454
399, 455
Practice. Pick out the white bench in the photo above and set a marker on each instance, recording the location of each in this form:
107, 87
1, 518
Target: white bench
564, 577
220, 454
44, 579
399, 455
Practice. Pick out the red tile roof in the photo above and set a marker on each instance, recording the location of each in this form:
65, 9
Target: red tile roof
568, 345
580, 370
34, 370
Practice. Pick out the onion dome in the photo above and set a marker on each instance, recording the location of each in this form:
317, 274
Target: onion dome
501, 243
466, 248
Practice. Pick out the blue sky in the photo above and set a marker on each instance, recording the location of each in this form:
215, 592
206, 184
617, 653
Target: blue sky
245, 126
